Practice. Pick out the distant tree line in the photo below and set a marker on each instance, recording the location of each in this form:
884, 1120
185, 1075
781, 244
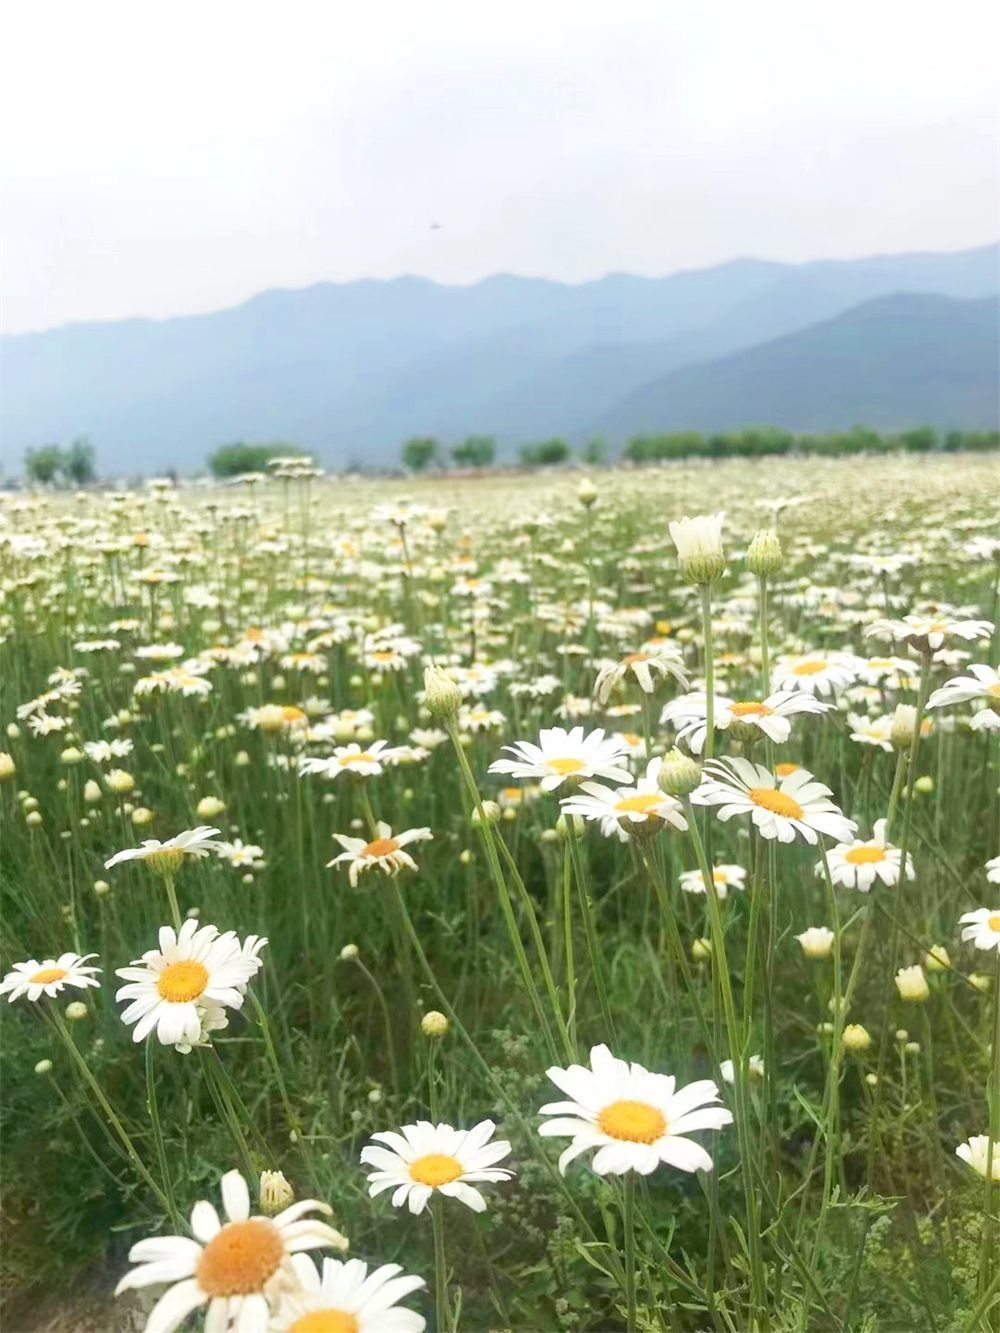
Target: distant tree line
52, 464
239, 458
763, 441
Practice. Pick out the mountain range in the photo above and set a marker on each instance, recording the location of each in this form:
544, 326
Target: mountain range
349, 370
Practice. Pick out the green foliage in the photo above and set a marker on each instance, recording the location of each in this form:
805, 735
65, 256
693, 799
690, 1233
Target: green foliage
78, 462
475, 451
420, 452
594, 451
765, 441
43, 464
546, 453
238, 458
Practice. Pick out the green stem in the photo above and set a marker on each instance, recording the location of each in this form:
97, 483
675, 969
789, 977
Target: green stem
175, 911
706, 622
628, 1226
441, 1311
161, 1151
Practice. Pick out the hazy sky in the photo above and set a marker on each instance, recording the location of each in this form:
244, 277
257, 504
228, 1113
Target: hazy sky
159, 158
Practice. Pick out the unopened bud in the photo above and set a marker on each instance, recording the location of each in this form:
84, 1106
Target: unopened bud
434, 1024
275, 1193
764, 555
442, 696
679, 773
904, 726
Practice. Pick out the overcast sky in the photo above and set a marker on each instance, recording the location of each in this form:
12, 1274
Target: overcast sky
161, 158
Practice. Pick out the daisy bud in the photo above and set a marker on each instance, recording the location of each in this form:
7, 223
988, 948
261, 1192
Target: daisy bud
209, 806
92, 792
491, 813
924, 784
375, 1096
764, 555
816, 942
434, 1024
71, 755
912, 1048
7, 766
855, 1038
143, 815
13, 731
33, 818
43, 1067
912, 984
701, 950
348, 953
871, 1080
699, 547
570, 826
465, 857
101, 887
981, 982
679, 773
76, 1010
29, 803
936, 959
901, 1035
904, 726
586, 493
241, 759
442, 696
275, 1193
119, 781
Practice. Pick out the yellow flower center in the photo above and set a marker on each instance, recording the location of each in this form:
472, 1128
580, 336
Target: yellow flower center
640, 804
363, 758
865, 856
994, 690
637, 1122
241, 1259
165, 861
182, 982
383, 655
435, 1169
719, 876
776, 801
809, 668
325, 1321
381, 847
994, 922
566, 766
636, 657
785, 770
46, 974
750, 708
291, 714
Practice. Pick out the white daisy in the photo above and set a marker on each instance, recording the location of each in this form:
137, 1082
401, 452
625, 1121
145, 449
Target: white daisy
982, 927
385, 851
48, 977
876, 731
992, 868
858, 864
928, 633
724, 877
641, 805
241, 854
348, 1299
975, 1152
816, 673
238, 1268
193, 970
665, 661
688, 716
816, 941
755, 1069
424, 1158
983, 682
167, 857
560, 755
103, 751
366, 762
779, 807
635, 1119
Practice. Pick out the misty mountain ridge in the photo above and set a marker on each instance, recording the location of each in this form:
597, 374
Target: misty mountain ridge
351, 369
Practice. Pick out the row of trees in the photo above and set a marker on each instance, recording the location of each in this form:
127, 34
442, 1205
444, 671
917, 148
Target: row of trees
239, 458
762, 441
51, 464
422, 452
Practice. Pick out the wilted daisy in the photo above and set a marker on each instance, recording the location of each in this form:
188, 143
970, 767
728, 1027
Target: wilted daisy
982, 683
770, 716
561, 755
48, 977
385, 851
666, 661
167, 857
635, 1119
779, 807
192, 970
348, 1299
858, 864
975, 1152
641, 807
982, 927
238, 1268
724, 877
422, 1159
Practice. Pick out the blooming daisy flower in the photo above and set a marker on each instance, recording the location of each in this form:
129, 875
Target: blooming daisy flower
424, 1158
993, 870
755, 1069
348, 1299
241, 854
272, 718
858, 864
561, 754
983, 682
385, 851
875, 731
238, 1268
641, 805
101, 752
780, 808
192, 970
665, 661
928, 633
167, 857
688, 716
982, 927
365, 763
724, 878
635, 1119
975, 1152
48, 977
816, 673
